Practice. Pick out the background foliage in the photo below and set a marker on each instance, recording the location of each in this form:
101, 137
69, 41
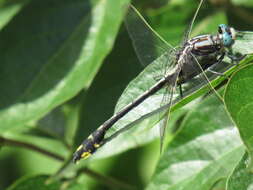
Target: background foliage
65, 64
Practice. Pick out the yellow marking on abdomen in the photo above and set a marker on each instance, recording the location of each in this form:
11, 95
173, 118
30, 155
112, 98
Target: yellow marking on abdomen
79, 148
90, 137
85, 155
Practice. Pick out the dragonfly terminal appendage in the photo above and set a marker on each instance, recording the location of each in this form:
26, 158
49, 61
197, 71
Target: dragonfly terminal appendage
89, 145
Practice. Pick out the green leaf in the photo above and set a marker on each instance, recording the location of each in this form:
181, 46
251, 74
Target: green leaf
53, 123
56, 52
34, 182
220, 185
239, 102
160, 18
8, 9
243, 2
76, 186
72, 113
41, 182
209, 24
204, 151
243, 43
242, 177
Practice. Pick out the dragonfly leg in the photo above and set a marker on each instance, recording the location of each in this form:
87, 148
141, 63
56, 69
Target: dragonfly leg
235, 59
181, 90
218, 61
215, 72
158, 77
221, 58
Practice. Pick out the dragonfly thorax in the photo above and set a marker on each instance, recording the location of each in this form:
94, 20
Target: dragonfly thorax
204, 51
205, 44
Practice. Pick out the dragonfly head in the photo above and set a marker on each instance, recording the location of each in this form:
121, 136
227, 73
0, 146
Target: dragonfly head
227, 35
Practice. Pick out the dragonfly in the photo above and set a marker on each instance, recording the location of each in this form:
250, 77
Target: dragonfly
194, 57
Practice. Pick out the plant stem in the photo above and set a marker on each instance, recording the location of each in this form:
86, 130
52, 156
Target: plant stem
108, 181
10, 142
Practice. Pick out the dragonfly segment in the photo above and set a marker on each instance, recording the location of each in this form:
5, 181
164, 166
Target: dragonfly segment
196, 55
208, 50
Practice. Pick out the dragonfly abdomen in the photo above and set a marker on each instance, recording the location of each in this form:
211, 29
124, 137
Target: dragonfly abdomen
90, 145
96, 139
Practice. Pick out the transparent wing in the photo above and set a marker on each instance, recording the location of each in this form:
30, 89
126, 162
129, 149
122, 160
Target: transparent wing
206, 77
147, 43
201, 81
189, 29
167, 101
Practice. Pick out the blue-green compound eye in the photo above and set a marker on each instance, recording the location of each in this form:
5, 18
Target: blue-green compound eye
227, 40
227, 37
